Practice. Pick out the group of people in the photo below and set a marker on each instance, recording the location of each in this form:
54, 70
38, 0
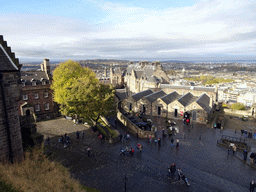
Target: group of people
126, 136
127, 149
181, 176
232, 147
244, 131
66, 139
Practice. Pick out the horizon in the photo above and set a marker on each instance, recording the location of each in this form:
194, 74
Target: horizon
185, 30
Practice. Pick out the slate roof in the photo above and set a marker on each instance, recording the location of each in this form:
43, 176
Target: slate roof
138, 74
138, 96
187, 87
187, 99
204, 101
37, 76
121, 94
170, 97
117, 70
153, 79
154, 96
147, 71
6, 64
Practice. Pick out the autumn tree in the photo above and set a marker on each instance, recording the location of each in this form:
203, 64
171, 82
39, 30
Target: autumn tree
79, 92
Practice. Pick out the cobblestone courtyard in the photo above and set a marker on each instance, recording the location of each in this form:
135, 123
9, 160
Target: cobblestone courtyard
207, 166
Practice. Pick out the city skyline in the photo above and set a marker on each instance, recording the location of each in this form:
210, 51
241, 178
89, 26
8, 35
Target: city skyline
188, 30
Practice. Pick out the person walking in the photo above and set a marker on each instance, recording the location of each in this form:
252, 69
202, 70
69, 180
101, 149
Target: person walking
245, 153
159, 142
252, 186
179, 174
172, 140
252, 157
228, 150
137, 136
88, 151
82, 134
177, 144
234, 149
173, 170
77, 134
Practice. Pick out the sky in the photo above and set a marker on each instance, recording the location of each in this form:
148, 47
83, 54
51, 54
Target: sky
186, 30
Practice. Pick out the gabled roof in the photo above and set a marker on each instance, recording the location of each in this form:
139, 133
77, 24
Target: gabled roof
153, 79
6, 64
121, 94
187, 87
138, 96
138, 74
187, 99
170, 97
37, 76
154, 96
204, 101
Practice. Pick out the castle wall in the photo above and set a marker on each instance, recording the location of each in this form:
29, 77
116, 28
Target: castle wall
12, 91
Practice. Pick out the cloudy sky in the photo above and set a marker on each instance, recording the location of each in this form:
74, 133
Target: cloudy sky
188, 30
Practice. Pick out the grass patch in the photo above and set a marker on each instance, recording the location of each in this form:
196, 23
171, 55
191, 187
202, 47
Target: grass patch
6, 188
113, 133
102, 131
89, 189
37, 174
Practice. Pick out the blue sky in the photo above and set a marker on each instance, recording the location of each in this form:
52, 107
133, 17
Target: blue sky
189, 30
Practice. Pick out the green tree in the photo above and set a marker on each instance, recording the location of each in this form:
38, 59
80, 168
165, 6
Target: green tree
238, 106
79, 92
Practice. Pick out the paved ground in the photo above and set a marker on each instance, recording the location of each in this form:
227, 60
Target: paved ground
207, 166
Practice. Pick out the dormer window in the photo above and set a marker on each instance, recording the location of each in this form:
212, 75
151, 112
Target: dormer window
33, 83
23, 84
43, 83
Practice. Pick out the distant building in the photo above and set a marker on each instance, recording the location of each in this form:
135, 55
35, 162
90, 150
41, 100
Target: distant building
37, 96
143, 76
10, 92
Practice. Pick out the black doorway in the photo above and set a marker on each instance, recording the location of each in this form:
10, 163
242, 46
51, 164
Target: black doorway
158, 110
175, 112
27, 112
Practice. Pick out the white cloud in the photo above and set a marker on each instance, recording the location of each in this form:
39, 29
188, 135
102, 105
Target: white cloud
206, 28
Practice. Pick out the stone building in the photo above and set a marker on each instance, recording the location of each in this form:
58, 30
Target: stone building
143, 76
172, 105
10, 92
116, 76
37, 97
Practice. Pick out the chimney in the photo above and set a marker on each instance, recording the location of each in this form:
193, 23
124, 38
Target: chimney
46, 67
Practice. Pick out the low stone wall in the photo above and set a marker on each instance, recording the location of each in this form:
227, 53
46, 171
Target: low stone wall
133, 128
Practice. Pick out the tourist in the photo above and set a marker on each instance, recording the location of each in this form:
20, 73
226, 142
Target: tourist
252, 186
172, 140
252, 157
245, 154
173, 170
234, 149
77, 134
177, 144
88, 151
179, 174
159, 142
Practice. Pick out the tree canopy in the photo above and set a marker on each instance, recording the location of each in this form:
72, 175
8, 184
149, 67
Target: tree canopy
209, 79
238, 106
79, 92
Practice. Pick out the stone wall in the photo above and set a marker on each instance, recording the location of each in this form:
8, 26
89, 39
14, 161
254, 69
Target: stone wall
238, 112
12, 92
133, 128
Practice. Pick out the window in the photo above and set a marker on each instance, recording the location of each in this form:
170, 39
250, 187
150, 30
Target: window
23, 84
45, 94
25, 97
33, 83
36, 96
194, 107
37, 107
46, 106
43, 83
